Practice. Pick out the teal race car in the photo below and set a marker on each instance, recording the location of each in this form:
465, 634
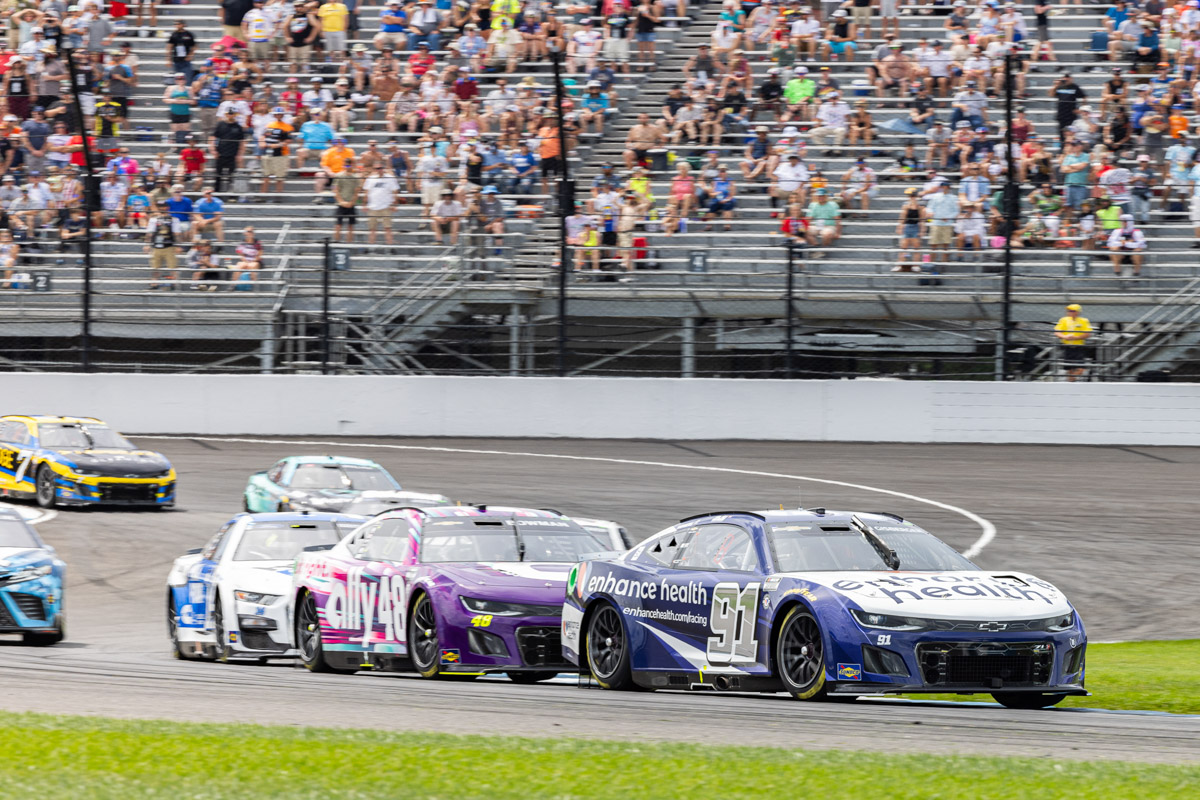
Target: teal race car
329, 484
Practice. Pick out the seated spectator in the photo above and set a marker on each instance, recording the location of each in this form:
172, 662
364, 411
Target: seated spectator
209, 217
445, 217
825, 221
1127, 243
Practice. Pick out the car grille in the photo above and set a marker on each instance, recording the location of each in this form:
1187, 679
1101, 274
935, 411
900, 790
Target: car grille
30, 605
6, 619
127, 492
541, 646
259, 640
990, 665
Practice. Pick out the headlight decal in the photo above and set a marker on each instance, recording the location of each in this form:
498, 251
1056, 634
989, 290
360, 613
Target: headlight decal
500, 608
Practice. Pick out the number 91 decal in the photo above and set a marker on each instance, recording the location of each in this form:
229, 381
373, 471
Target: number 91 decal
733, 619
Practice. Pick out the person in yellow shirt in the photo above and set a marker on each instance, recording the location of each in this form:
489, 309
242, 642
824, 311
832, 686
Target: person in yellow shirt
504, 10
335, 18
1074, 331
333, 163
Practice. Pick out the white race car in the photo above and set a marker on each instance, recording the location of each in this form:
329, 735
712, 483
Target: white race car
228, 599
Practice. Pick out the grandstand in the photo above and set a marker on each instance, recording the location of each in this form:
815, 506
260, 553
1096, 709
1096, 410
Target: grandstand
700, 302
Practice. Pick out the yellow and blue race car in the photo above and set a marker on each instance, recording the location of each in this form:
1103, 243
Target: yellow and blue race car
79, 461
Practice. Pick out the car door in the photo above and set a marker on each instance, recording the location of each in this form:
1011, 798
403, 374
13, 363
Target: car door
719, 572
384, 550
16, 456
201, 582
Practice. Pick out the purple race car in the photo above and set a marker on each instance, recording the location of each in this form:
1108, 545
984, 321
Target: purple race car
445, 591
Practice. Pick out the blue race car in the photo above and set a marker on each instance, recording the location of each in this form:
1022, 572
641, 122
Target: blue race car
31, 583
819, 604
72, 461
329, 484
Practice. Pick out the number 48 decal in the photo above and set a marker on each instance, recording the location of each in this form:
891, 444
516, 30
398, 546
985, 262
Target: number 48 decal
733, 619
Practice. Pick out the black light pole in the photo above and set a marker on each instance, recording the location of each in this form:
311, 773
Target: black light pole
1012, 215
566, 205
89, 191
790, 324
325, 337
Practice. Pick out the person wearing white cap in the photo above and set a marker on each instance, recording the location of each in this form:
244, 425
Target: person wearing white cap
840, 38
1127, 242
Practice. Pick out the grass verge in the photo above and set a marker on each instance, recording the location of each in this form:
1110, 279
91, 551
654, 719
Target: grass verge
1146, 676
50, 756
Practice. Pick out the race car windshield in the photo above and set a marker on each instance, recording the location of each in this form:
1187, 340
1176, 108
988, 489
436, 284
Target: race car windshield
283, 541
14, 533
342, 476
808, 548
458, 541
562, 545
81, 437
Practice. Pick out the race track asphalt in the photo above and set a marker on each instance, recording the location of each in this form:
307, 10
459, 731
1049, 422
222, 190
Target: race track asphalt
1112, 526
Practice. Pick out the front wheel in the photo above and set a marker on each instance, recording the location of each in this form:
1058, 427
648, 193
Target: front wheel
308, 639
800, 655
222, 651
44, 481
1027, 700
423, 644
46, 639
608, 649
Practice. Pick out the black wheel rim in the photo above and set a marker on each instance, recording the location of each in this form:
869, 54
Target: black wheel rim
308, 630
801, 655
45, 486
606, 642
424, 638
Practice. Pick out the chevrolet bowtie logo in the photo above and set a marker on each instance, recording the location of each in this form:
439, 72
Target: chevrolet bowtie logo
993, 627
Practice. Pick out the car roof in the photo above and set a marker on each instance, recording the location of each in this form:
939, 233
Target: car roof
299, 516
812, 515
360, 462
52, 418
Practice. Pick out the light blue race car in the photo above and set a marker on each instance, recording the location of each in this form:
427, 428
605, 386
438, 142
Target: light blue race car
330, 484
31, 583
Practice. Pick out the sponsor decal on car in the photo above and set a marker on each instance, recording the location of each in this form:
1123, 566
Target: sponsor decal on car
914, 588
849, 672
692, 592
451, 656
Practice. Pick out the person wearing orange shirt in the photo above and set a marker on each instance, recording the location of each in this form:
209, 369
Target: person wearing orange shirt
333, 163
550, 152
1177, 123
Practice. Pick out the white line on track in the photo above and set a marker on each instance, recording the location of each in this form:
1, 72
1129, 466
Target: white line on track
985, 538
33, 516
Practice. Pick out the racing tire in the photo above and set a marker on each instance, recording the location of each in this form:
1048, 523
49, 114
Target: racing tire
800, 655
48, 639
221, 650
44, 483
173, 630
528, 678
424, 648
1028, 701
308, 639
608, 649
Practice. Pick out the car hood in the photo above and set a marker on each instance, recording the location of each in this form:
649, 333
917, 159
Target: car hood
967, 594
269, 577
20, 556
535, 581
117, 463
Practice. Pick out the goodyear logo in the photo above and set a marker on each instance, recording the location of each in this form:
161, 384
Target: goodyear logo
451, 656
849, 672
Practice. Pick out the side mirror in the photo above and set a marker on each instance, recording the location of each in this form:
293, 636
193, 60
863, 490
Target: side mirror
316, 548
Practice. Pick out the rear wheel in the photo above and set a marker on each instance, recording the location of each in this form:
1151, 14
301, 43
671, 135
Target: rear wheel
424, 647
308, 638
800, 655
608, 649
529, 677
1027, 700
44, 481
46, 639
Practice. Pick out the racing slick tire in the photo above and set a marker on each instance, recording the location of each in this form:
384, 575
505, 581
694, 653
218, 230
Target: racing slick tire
800, 655
308, 639
1027, 700
608, 649
424, 647
47, 639
528, 678
44, 483
221, 650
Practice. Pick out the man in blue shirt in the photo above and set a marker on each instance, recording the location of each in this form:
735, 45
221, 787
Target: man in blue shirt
392, 23
1116, 15
209, 221
594, 105
180, 208
524, 166
1147, 44
316, 135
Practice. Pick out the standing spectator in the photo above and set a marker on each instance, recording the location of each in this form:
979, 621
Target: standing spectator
163, 231
550, 153
445, 216
1067, 95
178, 99
207, 89
431, 171
35, 135
121, 82
908, 230
941, 213
232, 13
303, 27
257, 32
347, 189
1074, 331
228, 147
647, 16
274, 145
335, 21
209, 215
381, 189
